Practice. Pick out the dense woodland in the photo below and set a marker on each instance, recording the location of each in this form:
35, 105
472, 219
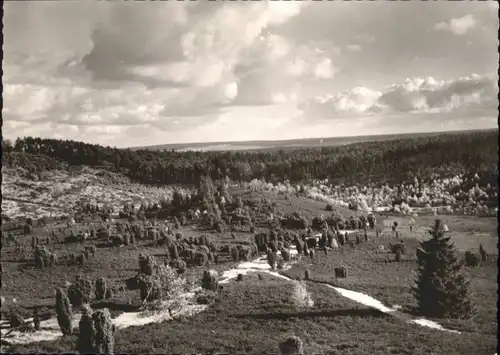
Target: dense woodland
391, 161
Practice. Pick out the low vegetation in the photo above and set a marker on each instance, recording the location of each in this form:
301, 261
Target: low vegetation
117, 232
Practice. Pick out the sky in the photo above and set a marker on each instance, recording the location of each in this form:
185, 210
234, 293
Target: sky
125, 74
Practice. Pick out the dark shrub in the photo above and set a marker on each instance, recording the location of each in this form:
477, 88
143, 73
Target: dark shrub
36, 319
64, 312
205, 296
149, 289
104, 332
181, 267
15, 320
471, 259
271, 259
117, 240
81, 292
44, 257
210, 280
398, 246
109, 293
200, 258
174, 253
80, 259
292, 346
340, 272
86, 332
482, 252
100, 288
285, 254
146, 264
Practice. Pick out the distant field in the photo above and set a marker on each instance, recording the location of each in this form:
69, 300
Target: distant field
289, 144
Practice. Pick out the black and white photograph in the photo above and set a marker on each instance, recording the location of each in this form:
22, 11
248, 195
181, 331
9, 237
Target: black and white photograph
249, 177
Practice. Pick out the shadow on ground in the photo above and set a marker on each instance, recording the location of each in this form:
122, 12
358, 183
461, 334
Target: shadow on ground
361, 313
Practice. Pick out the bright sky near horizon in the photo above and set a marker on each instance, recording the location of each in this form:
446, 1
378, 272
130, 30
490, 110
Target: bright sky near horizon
142, 73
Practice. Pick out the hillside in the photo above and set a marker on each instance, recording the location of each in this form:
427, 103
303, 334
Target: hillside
61, 193
392, 161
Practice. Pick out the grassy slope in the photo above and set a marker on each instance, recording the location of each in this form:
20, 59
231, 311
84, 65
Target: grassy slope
391, 283
34, 287
254, 315
307, 207
345, 330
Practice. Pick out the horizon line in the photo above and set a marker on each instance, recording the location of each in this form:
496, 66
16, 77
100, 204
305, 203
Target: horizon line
305, 138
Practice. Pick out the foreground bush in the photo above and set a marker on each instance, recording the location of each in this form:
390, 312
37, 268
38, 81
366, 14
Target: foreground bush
159, 282
15, 320
442, 289
292, 346
398, 256
86, 332
205, 297
36, 319
210, 280
104, 332
81, 292
301, 298
482, 252
398, 246
271, 259
471, 259
100, 288
146, 264
64, 312
44, 257
96, 332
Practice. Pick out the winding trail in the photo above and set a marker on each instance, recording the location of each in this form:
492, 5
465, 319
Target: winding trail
50, 328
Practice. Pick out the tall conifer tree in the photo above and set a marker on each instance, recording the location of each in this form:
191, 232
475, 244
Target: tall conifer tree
442, 287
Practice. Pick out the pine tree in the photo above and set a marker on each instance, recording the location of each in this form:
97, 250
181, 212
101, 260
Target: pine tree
442, 288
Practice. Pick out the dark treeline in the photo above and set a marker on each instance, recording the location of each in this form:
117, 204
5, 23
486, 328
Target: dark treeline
389, 161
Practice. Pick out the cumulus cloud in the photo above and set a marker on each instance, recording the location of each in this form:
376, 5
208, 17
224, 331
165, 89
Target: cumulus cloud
473, 94
353, 102
185, 43
354, 48
458, 26
184, 64
276, 69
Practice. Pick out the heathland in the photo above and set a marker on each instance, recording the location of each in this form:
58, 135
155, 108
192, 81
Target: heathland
149, 224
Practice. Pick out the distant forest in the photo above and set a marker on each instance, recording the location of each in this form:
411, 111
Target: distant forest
393, 161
